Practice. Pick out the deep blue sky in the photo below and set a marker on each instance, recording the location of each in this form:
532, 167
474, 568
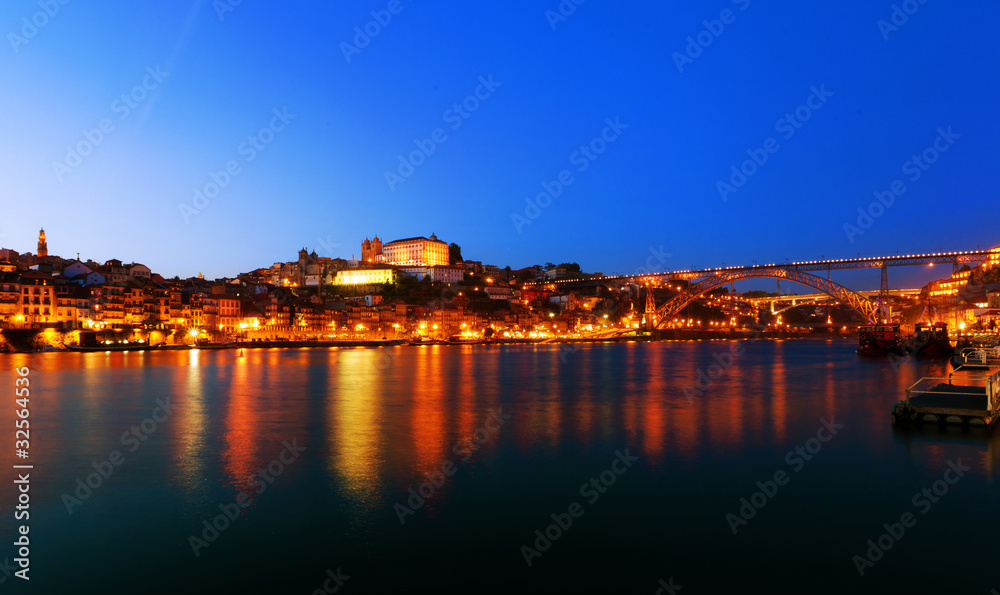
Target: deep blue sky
323, 176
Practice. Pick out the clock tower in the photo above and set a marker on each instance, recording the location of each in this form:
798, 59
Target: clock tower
43, 247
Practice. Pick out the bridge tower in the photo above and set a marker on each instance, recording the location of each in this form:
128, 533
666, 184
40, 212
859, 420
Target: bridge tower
650, 314
883, 295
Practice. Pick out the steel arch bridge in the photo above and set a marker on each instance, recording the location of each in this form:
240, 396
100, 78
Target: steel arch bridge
870, 310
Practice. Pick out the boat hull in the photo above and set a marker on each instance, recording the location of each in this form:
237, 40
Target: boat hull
99, 348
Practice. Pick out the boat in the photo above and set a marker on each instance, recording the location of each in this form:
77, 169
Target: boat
460, 340
112, 347
931, 341
229, 345
977, 358
425, 341
177, 347
879, 340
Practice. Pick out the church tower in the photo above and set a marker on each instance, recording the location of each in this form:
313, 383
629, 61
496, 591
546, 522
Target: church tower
43, 247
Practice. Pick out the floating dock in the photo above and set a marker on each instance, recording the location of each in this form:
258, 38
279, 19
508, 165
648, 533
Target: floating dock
968, 401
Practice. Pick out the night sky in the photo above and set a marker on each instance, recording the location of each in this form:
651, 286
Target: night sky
452, 114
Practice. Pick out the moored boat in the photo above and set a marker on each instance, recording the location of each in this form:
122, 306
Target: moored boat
112, 347
879, 340
976, 358
425, 341
931, 341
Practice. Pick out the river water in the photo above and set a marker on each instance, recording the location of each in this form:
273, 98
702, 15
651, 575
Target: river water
717, 466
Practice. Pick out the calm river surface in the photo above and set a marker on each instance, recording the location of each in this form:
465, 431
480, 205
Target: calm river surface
511, 435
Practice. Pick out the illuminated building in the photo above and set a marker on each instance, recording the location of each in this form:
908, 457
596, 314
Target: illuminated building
408, 252
10, 298
38, 301
994, 258
371, 250
950, 287
43, 247
373, 276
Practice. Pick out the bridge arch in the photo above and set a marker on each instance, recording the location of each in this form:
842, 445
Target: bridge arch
868, 309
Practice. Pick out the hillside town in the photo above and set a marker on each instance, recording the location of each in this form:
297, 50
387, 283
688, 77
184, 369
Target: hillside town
417, 287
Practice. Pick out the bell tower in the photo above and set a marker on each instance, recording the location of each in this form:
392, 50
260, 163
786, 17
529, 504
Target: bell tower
43, 247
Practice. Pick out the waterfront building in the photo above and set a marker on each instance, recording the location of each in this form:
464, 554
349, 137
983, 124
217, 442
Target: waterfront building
10, 299
37, 299
67, 315
109, 305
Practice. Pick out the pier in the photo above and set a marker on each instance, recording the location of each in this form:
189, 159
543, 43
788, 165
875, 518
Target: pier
968, 401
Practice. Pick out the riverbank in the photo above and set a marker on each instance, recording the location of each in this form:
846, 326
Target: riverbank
657, 335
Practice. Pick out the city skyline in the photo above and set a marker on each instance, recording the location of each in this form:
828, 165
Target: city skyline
658, 258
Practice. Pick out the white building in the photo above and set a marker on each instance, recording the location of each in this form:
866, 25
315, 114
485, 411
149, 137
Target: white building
441, 274
416, 252
139, 270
